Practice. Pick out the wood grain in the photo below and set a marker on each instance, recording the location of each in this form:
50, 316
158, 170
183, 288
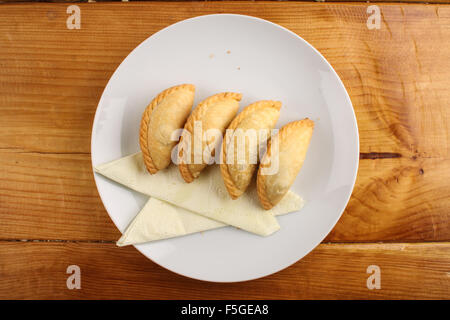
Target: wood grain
51, 79
81, 1
53, 196
396, 76
331, 271
397, 200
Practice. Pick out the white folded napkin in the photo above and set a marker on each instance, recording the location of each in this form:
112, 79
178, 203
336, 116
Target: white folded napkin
206, 196
160, 220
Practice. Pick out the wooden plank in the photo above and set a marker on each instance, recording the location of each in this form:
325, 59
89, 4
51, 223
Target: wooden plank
388, 1
397, 199
51, 77
53, 196
38, 270
95, 1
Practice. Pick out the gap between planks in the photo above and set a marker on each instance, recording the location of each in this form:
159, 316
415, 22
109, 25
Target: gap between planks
362, 155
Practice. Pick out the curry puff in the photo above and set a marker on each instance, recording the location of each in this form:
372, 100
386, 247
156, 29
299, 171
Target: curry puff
292, 142
197, 147
241, 144
162, 117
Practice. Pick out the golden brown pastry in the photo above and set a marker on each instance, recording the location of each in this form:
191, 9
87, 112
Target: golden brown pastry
215, 112
293, 142
166, 113
250, 124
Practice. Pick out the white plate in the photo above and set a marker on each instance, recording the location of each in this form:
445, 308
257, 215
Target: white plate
262, 60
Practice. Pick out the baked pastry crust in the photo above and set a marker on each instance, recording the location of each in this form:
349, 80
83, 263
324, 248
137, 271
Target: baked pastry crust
165, 113
261, 115
215, 112
293, 142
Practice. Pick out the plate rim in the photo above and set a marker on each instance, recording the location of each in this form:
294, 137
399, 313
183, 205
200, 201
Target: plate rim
347, 97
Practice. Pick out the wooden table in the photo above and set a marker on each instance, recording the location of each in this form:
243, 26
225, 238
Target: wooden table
51, 216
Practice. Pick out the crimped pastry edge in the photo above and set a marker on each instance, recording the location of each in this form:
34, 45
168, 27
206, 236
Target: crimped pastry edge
232, 189
196, 115
143, 131
260, 181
